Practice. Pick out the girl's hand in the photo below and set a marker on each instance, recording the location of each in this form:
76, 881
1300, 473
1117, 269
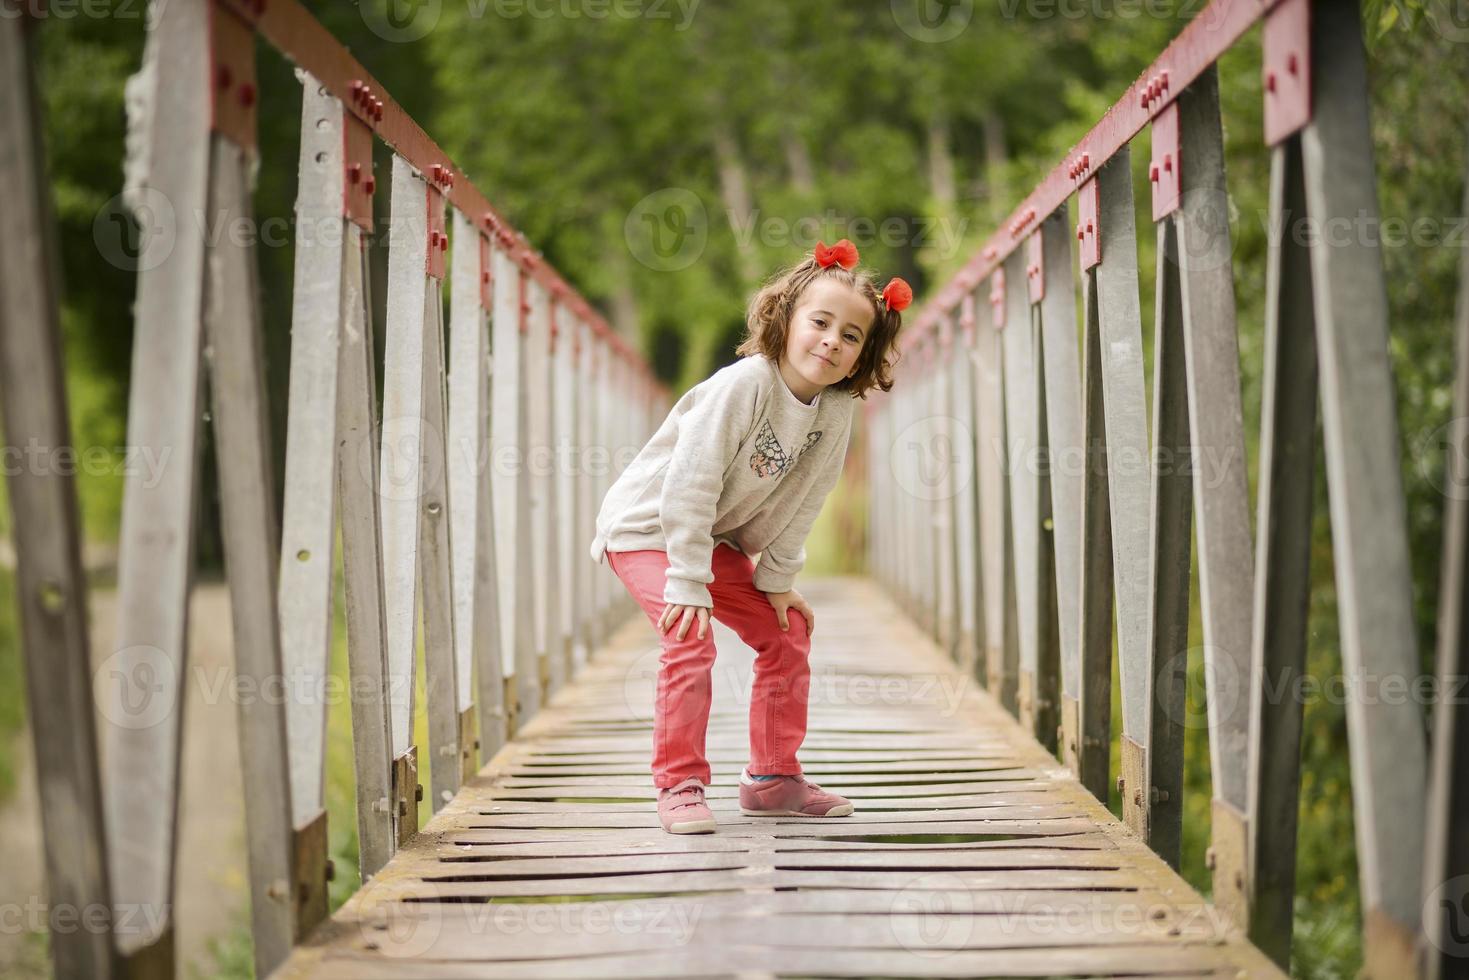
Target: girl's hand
671, 615
781, 601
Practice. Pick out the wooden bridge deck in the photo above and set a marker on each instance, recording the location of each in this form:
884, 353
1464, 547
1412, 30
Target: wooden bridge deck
972, 852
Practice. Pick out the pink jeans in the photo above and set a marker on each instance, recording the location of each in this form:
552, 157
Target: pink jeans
681, 712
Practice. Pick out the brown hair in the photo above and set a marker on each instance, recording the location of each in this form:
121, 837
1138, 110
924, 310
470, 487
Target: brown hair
768, 320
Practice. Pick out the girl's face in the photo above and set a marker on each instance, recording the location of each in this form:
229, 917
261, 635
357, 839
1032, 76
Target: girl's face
828, 328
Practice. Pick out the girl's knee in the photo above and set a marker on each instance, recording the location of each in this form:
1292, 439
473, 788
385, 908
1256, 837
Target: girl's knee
796, 634
689, 649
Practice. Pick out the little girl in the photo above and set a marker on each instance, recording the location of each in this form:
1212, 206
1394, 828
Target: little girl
744, 460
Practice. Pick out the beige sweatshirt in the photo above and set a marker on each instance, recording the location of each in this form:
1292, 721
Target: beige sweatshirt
739, 459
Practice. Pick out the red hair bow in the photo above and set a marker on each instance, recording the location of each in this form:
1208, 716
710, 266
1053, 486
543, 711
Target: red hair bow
897, 294
843, 253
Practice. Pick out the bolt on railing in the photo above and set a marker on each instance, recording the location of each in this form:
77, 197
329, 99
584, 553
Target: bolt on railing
1049, 507
456, 488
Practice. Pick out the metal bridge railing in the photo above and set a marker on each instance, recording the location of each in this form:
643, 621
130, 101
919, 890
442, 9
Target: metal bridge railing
446, 490
1018, 498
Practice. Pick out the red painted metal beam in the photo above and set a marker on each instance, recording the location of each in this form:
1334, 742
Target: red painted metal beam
290, 28
1213, 32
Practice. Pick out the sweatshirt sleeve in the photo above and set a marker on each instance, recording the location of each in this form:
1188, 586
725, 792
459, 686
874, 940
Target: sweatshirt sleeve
709, 435
785, 556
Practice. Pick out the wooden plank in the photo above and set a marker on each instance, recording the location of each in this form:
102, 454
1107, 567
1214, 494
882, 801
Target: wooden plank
607, 584
1124, 409
701, 843
50, 585
1061, 378
1368, 519
648, 819
437, 563
478, 664
565, 474
1022, 443
540, 509
945, 550
1185, 961
1038, 795
896, 568
923, 753
919, 542
1086, 721
1216, 421
400, 476
251, 534
508, 436
966, 494
791, 830
1152, 794
1045, 693
597, 460
935, 791
1447, 856
447, 695
308, 511
584, 501
459, 933
614, 423
1283, 563
155, 554
911, 579
1001, 640
358, 463
498, 868
1023, 902
975, 764
739, 873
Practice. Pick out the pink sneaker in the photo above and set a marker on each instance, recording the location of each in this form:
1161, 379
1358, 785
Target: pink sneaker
788, 796
682, 810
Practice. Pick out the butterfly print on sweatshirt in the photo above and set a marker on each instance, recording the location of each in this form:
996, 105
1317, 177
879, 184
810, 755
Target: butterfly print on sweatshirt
769, 459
